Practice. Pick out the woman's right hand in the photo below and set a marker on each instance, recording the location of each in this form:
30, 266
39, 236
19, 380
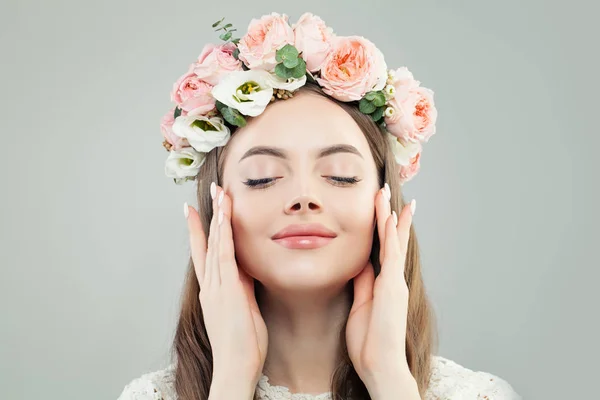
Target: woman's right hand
235, 327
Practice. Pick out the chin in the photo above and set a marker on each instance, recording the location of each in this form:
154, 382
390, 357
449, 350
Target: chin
302, 272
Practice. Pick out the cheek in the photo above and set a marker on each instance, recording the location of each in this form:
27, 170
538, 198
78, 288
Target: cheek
252, 218
356, 215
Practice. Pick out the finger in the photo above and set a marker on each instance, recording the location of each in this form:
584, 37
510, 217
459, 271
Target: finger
227, 265
393, 260
248, 284
404, 224
363, 287
382, 212
197, 242
212, 237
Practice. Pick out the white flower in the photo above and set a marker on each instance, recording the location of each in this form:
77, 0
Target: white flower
289, 84
404, 151
184, 163
390, 91
249, 92
202, 132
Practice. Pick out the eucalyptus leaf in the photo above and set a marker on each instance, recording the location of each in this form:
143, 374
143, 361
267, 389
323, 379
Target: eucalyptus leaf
220, 106
291, 62
225, 36
376, 116
379, 99
236, 41
218, 22
300, 70
286, 52
233, 116
177, 112
365, 106
283, 72
370, 96
227, 26
236, 53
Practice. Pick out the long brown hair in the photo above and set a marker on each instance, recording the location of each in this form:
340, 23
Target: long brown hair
191, 349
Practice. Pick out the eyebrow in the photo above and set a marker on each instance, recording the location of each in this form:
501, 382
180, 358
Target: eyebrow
280, 153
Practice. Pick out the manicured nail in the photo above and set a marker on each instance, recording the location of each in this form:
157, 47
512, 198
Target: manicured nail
395, 218
220, 217
388, 192
221, 195
413, 205
213, 190
186, 210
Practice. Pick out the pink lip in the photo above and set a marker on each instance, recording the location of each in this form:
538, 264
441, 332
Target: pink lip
306, 236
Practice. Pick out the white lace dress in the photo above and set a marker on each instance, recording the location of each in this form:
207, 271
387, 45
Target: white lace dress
449, 381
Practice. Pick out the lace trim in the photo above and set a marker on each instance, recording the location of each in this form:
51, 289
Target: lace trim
266, 391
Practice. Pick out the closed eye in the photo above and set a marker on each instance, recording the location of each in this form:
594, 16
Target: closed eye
263, 183
344, 180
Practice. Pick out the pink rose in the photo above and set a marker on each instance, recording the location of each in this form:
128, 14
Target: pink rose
166, 126
407, 156
414, 114
312, 38
353, 68
407, 172
192, 94
265, 36
215, 61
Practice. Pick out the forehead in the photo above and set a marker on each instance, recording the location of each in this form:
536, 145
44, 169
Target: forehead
301, 125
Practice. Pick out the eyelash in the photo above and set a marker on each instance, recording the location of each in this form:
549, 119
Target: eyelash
264, 183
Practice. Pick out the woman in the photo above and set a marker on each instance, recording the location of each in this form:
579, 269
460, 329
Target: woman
304, 280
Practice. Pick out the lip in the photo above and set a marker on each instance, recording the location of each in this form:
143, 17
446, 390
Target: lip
305, 236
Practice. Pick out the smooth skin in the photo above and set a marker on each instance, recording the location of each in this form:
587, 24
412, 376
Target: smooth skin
376, 329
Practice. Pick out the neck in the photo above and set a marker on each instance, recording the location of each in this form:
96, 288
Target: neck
304, 336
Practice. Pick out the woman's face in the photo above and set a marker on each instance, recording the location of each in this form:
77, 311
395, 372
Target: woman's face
296, 185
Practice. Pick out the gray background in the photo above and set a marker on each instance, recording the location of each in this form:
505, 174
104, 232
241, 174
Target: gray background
94, 244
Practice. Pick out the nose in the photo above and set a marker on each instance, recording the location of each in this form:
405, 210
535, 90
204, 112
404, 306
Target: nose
303, 204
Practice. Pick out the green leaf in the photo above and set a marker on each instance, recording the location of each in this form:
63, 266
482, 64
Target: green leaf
300, 70
286, 52
283, 72
370, 96
236, 41
376, 116
227, 26
365, 106
236, 53
220, 106
291, 62
309, 77
177, 112
218, 22
379, 99
225, 36
233, 116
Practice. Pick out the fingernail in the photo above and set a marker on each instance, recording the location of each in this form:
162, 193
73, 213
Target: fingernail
213, 190
221, 195
388, 192
220, 217
413, 205
395, 218
186, 210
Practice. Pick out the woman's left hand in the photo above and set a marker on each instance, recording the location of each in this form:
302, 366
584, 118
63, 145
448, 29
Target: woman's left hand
376, 328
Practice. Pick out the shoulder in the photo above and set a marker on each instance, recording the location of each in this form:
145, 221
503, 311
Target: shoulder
450, 380
156, 385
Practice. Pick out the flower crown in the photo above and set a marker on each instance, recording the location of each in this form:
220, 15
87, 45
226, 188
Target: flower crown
240, 77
